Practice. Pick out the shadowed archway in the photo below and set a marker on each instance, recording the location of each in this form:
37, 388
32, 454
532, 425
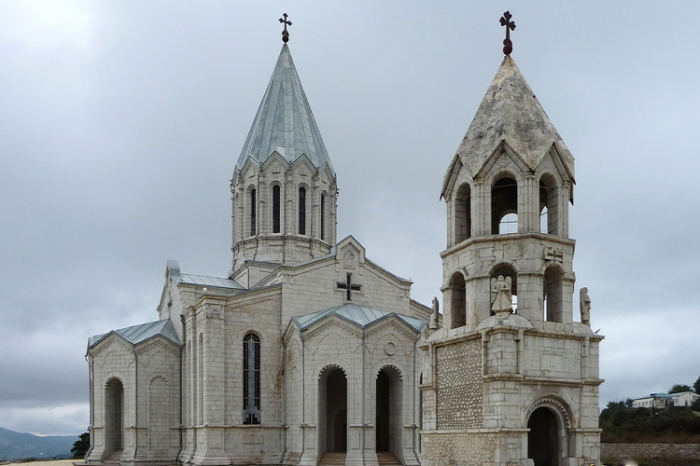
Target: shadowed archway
543, 442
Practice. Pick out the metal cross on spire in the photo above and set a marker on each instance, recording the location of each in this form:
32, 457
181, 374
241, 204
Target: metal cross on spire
285, 33
505, 21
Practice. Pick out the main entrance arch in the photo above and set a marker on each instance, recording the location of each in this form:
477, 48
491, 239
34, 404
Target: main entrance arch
544, 439
333, 405
388, 410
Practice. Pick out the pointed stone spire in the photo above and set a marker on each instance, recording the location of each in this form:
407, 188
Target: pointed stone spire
284, 123
510, 112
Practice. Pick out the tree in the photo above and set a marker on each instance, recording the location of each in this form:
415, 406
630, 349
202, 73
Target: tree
677, 388
81, 446
696, 386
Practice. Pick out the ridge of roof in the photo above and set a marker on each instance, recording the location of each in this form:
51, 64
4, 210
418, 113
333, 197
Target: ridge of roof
510, 112
284, 123
142, 332
361, 316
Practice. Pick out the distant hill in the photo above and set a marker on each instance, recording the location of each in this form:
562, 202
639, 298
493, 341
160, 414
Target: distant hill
17, 445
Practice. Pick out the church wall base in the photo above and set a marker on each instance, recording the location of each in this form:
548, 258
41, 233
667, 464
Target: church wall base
501, 447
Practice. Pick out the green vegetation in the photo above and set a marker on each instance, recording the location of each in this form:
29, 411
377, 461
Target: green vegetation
81, 446
622, 424
678, 388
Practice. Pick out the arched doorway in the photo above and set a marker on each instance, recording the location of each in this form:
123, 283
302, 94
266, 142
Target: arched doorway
388, 410
114, 416
543, 442
333, 411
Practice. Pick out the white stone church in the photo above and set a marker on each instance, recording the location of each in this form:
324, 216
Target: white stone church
309, 353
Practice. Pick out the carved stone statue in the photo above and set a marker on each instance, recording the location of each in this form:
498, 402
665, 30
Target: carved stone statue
435, 316
501, 299
585, 304
349, 260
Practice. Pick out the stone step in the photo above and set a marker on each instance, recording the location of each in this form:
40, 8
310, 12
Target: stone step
387, 458
334, 459
114, 458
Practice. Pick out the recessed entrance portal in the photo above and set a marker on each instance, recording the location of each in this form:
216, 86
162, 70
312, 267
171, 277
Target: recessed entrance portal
388, 411
543, 439
333, 411
114, 416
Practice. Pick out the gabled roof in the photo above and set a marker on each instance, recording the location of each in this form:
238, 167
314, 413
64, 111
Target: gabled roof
510, 113
215, 282
284, 123
361, 316
173, 271
140, 333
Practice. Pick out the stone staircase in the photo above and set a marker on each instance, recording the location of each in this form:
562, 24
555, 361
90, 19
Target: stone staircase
335, 459
387, 458
114, 458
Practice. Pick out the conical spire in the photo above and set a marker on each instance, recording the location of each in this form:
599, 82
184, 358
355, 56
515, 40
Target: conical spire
510, 112
284, 123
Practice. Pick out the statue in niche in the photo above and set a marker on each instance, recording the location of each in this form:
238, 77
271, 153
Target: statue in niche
501, 299
349, 260
585, 304
435, 316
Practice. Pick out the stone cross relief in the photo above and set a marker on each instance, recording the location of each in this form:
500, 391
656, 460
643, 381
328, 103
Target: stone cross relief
349, 287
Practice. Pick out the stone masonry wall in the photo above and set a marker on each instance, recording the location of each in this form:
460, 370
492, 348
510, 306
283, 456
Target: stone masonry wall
634, 450
459, 386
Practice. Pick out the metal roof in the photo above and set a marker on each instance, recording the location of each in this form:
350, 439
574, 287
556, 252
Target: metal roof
215, 282
358, 315
284, 123
140, 333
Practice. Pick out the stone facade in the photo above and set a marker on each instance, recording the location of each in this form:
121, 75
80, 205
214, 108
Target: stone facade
308, 347
512, 378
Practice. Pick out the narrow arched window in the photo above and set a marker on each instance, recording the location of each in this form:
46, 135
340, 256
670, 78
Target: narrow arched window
504, 207
323, 217
302, 211
253, 213
549, 205
463, 214
553, 278
251, 379
276, 209
458, 300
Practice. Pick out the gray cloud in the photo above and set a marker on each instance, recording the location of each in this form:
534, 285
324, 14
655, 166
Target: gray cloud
121, 123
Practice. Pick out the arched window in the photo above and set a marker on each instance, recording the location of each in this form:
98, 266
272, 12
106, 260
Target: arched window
463, 214
458, 300
553, 294
549, 205
507, 270
253, 212
251, 379
504, 206
302, 211
276, 207
324, 207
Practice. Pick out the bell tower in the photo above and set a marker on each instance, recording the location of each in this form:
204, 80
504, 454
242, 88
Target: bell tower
507, 193
283, 189
512, 377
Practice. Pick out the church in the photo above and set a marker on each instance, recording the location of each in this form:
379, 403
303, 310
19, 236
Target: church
307, 352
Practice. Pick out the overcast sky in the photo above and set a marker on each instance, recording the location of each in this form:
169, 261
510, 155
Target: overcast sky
121, 122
